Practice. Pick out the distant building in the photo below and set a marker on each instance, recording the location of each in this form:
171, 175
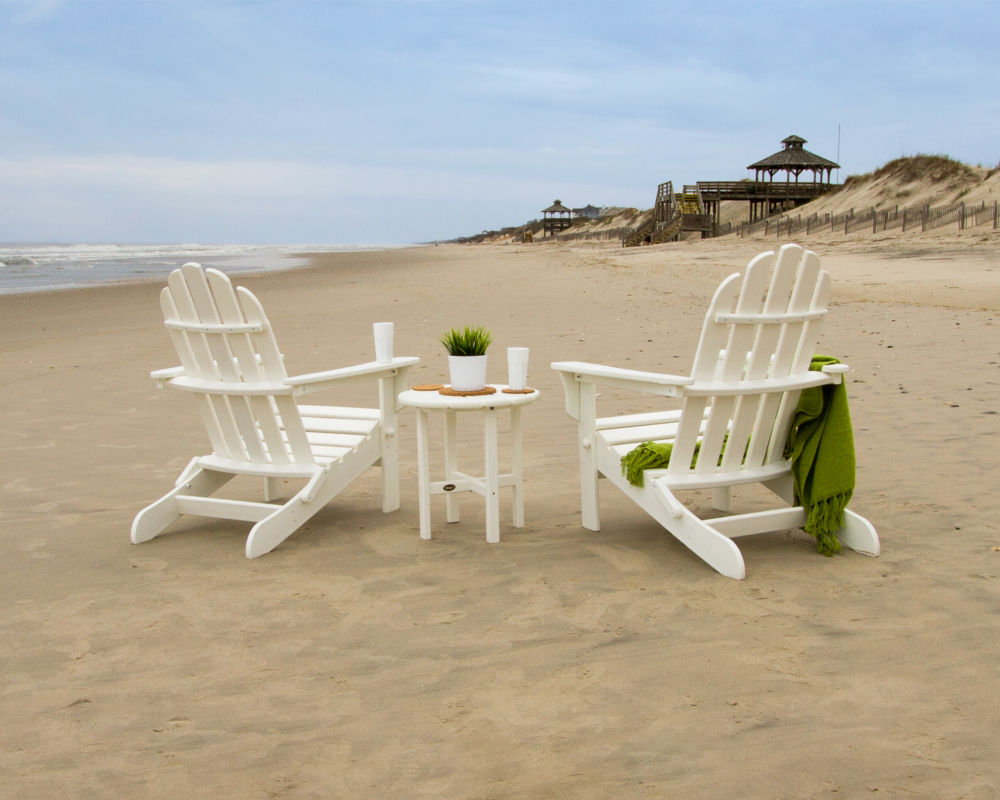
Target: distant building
588, 212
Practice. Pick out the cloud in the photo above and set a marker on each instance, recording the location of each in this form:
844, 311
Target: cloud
132, 198
255, 178
150, 175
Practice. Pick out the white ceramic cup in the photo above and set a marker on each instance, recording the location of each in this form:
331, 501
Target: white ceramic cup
517, 367
383, 341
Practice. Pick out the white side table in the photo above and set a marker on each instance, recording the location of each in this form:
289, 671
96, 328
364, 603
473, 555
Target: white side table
455, 481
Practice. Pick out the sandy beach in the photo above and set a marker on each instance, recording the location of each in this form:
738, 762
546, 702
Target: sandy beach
357, 661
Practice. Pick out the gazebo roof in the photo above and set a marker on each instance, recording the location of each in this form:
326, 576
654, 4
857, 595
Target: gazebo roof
794, 156
556, 208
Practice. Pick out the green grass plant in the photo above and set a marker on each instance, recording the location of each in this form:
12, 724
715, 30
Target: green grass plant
468, 341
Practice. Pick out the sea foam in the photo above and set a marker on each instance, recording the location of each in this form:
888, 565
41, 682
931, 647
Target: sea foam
34, 267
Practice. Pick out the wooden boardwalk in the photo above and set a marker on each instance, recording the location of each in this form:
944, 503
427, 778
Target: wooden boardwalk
697, 207
764, 197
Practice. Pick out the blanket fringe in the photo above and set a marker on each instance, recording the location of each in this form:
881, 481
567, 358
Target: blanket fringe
825, 518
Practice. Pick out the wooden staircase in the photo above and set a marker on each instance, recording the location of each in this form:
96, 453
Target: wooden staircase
673, 214
637, 236
689, 203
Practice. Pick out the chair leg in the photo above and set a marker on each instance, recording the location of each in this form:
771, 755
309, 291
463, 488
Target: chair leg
716, 550
389, 440
722, 498
272, 489
390, 473
587, 443
712, 547
157, 517
589, 493
275, 528
859, 534
783, 487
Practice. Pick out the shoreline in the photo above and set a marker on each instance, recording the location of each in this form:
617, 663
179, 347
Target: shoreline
145, 267
935, 249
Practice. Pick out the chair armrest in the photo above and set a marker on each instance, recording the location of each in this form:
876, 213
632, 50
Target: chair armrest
660, 383
578, 374
315, 381
837, 371
162, 376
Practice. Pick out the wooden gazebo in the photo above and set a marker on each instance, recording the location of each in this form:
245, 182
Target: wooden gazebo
794, 159
555, 218
770, 196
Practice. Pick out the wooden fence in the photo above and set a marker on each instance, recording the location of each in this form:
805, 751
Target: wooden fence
608, 233
924, 218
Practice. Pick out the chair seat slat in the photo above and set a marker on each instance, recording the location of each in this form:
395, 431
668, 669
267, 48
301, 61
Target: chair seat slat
631, 420
355, 426
334, 440
339, 412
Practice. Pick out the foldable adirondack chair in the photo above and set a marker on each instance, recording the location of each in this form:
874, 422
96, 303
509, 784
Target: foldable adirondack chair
736, 409
231, 363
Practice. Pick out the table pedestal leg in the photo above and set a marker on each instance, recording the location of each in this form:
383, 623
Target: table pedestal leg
492, 477
451, 463
423, 475
516, 466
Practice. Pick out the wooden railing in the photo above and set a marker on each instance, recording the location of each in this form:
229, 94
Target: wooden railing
775, 190
664, 223
666, 205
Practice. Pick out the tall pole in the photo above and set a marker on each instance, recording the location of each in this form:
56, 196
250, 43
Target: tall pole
838, 152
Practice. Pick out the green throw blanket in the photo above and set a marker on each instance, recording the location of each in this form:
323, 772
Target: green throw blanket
655, 455
820, 446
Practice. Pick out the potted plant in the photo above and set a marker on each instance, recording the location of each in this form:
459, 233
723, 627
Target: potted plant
467, 357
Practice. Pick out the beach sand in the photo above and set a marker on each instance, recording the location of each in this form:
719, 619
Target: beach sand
357, 661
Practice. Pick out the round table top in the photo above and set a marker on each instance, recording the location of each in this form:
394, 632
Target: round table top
434, 400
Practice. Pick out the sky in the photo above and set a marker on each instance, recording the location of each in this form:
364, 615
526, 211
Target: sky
398, 121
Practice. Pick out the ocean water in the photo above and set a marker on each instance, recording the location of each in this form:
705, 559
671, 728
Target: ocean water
36, 267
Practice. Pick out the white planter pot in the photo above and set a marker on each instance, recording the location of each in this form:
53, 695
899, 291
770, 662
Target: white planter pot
468, 373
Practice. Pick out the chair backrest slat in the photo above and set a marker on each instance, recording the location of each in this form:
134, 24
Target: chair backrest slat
730, 418
192, 348
761, 325
769, 358
259, 432
285, 421
215, 303
707, 366
222, 335
814, 292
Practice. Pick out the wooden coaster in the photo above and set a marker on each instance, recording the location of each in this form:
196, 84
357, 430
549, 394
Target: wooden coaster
449, 392
518, 391
427, 387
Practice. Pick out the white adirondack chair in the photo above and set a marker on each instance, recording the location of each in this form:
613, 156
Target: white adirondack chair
231, 363
750, 366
